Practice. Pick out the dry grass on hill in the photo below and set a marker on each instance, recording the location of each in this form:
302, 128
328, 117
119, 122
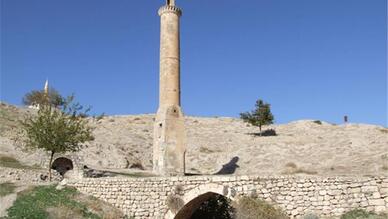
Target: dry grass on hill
301, 147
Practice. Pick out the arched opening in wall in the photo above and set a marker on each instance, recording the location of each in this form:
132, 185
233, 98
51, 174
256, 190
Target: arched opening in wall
207, 206
62, 165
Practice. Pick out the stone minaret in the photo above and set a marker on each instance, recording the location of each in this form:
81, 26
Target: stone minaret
169, 131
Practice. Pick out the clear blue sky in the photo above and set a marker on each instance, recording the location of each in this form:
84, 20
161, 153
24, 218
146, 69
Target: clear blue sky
311, 59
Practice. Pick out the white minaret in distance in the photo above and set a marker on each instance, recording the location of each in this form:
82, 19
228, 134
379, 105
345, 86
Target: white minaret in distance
169, 132
46, 87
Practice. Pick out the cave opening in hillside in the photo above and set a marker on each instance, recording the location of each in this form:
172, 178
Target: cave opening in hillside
62, 165
207, 206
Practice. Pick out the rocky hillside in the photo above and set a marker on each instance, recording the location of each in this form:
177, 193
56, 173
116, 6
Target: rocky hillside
301, 147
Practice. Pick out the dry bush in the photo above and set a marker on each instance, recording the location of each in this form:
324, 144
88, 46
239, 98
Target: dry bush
205, 150
269, 132
178, 189
7, 188
175, 203
292, 168
99, 207
137, 165
291, 165
362, 214
64, 212
310, 216
384, 159
317, 122
250, 208
384, 130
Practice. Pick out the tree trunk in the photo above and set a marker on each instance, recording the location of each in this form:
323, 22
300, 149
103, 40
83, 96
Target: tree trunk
50, 163
260, 130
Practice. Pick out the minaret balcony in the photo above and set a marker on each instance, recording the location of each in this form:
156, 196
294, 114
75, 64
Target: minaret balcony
170, 9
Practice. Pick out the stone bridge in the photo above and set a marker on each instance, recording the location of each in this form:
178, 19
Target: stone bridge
296, 195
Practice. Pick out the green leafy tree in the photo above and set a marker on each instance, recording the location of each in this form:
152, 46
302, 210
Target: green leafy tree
260, 116
57, 130
39, 98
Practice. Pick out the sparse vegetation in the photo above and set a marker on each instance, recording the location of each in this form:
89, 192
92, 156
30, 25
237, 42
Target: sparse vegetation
291, 165
39, 97
311, 216
250, 208
362, 214
384, 130
260, 116
174, 203
100, 117
6, 161
205, 150
47, 202
135, 174
268, 132
384, 159
57, 130
9, 118
6, 188
137, 165
317, 122
292, 168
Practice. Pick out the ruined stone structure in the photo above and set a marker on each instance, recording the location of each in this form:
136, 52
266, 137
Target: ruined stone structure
169, 133
297, 196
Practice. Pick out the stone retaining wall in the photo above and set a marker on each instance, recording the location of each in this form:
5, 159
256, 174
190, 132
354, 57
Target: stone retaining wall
326, 197
27, 176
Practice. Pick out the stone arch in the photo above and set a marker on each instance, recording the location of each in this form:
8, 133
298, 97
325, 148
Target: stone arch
195, 197
62, 165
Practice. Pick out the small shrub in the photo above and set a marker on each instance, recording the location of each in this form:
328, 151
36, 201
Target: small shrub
205, 150
137, 165
309, 172
6, 188
268, 132
362, 214
249, 208
317, 122
175, 203
6, 161
292, 168
384, 159
291, 165
100, 117
385, 131
178, 189
310, 216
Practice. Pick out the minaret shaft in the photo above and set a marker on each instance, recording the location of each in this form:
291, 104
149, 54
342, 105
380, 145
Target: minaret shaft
169, 130
169, 91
